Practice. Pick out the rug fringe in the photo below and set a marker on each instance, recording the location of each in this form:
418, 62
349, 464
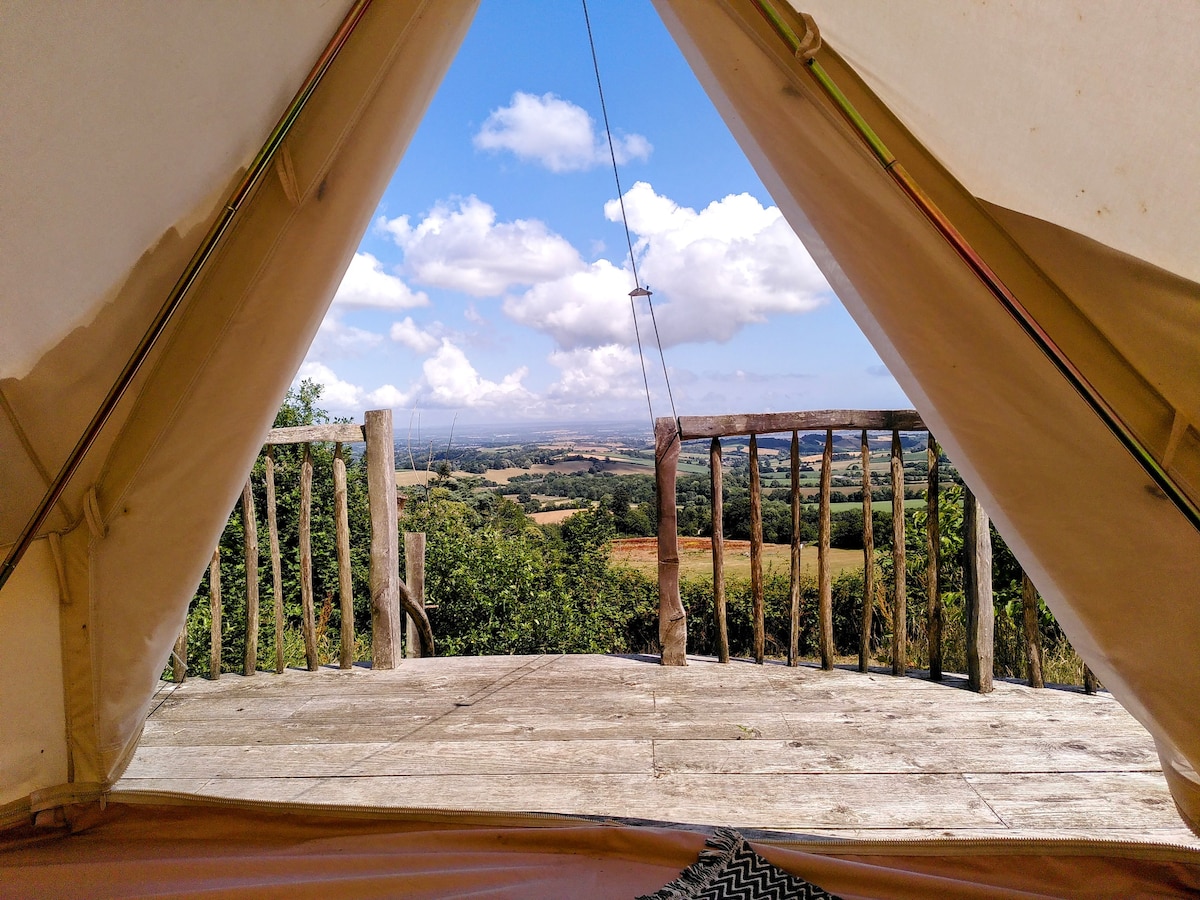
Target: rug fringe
718, 851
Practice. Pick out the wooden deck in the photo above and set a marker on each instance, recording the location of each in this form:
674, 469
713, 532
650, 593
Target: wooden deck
761, 748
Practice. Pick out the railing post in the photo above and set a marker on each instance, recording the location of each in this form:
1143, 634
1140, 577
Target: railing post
794, 629
718, 549
868, 536
414, 577
672, 619
977, 583
385, 539
341, 517
276, 560
933, 554
899, 563
756, 551
824, 570
214, 601
1033, 634
250, 546
1089, 680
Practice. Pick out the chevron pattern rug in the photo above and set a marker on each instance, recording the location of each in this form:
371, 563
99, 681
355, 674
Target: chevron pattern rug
729, 870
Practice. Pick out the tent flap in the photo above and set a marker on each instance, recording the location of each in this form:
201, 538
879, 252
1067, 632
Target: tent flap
1117, 563
172, 462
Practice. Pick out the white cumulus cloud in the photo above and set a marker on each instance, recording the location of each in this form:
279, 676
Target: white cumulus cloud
464, 248
587, 308
335, 339
712, 271
610, 371
555, 133
414, 337
730, 264
344, 398
366, 284
451, 381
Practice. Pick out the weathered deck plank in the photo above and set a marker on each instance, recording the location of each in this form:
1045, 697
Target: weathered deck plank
756, 747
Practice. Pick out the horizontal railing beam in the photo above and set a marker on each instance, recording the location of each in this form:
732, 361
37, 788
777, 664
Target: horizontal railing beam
692, 427
346, 433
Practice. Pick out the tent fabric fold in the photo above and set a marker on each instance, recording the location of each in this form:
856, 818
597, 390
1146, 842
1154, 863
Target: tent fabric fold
170, 850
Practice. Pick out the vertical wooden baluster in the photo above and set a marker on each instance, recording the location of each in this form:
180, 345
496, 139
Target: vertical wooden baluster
756, 550
308, 623
718, 549
900, 598
385, 539
977, 584
794, 630
214, 601
414, 577
1089, 680
179, 657
1033, 634
250, 545
868, 536
341, 513
276, 558
824, 569
933, 562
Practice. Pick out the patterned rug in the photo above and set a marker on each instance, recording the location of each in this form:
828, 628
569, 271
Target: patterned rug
729, 870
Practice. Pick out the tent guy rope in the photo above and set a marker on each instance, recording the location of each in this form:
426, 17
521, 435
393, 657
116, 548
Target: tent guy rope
638, 290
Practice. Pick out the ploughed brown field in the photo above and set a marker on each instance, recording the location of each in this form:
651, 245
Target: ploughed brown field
695, 557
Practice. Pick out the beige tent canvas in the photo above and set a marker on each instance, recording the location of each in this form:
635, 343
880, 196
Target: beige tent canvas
1005, 196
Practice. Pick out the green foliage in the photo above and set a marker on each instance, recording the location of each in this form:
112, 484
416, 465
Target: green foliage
504, 586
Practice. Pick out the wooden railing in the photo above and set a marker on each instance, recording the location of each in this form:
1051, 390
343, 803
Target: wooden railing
392, 600
670, 433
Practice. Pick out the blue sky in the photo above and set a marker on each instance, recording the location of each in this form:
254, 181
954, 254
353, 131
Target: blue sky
493, 282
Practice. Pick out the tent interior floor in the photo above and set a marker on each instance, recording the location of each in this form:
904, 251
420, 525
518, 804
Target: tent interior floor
759, 748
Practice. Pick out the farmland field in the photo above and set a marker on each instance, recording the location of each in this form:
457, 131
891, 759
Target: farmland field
552, 516
695, 557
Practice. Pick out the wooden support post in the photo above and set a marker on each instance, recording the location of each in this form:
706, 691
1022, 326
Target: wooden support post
250, 544
276, 559
672, 619
308, 623
414, 578
1033, 634
756, 551
899, 563
385, 539
214, 600
341, 517
794, 629
868, 537
824, 570
179, 657
933, 564
977, 584
718, 549
1089, 680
